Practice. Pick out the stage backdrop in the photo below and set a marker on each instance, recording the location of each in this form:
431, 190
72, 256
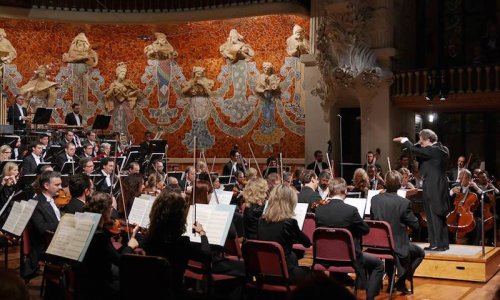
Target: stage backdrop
233, 113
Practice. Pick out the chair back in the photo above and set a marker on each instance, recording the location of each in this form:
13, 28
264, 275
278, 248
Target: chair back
26, 242
333, 247
379, 240
232, 248
265, 262
145, 277
309, 225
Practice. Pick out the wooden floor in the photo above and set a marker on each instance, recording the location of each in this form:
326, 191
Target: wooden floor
425, 288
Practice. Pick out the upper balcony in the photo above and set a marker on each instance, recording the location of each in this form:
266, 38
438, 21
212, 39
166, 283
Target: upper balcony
469, 88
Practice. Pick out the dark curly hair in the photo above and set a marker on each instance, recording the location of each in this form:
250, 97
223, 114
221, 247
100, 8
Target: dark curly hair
132, 187
101, 203
167, 217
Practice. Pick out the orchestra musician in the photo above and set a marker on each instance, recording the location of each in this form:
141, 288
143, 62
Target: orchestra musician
324, 177
189, 176
371, 161
81, 188
105, 151
376, 181
154, 184
92, 139
308, 193
8, 182
87, 150
318, 165
17, 114
398, 213
5, 152
254, 195
107, 168
233, 164
44, 140
453, 173
360, 182
74, 118
67, 156
134, 168
133, 186
144, 146
434, 159
32, 160
69, 137
86, 165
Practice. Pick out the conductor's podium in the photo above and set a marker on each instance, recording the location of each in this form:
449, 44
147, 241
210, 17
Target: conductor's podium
460, 262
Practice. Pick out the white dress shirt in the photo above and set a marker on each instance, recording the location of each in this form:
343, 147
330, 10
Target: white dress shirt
77, 118
54, 207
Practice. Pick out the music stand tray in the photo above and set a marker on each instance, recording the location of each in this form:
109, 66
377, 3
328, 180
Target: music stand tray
227, 179
10, 140
53, 151
68, 167
132, 156
42, 115
101, 122
157, 146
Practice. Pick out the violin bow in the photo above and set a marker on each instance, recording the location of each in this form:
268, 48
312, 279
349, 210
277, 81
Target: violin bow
329, 164
213, 163
255, 160
124, 206
211, 183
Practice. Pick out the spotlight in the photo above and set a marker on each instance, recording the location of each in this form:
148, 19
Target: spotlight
431, 117
442, 97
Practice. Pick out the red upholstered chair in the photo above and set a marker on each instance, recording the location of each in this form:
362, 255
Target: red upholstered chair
145, 277
202, 271
379, 242
4, 243
333, 251
308, 229
266, 267
232, 249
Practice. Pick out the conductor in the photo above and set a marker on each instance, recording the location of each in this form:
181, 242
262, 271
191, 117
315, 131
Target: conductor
433, 157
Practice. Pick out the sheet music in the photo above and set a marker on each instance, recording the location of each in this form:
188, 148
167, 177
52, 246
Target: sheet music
73, 235
216, 220
371, 193
402, 193
139, 214
223, 196
359, 203
19, 216
300, 213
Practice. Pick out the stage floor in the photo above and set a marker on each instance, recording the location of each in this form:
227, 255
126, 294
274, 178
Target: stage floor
460, 262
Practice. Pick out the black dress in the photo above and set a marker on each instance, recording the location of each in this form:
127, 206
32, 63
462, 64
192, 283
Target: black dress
251, 218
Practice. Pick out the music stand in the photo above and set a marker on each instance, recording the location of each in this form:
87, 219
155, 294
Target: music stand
38, 169
68, 167
10, 140
101, 122
120, 161
53, 151
42, 116
132, 156
176, 174
227, 179
157, 146
269, 171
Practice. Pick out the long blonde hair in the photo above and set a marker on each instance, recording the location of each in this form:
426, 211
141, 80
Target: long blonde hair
281, 204
360, 176
255, 192
8, 168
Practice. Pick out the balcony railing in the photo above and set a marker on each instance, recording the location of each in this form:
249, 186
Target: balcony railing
470, 79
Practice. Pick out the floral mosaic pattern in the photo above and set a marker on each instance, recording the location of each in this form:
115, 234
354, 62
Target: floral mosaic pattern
233, 115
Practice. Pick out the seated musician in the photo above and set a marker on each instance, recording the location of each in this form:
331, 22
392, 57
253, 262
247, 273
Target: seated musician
80, 188
308, 193
324, 178
132, 187
69, 137
74, 118
376, 181
271, 166
44, 140
273, 179
104, 151
86, 165
87, 150
254, 195
92, 139
46, 217
157, 167
201, 167
67, 156
134, 168
154, 184
99, 276
32, 160
337, 214
8, 182
360, 182
188, 178
107, 168
5, 152
277, 224
398, 213
237, 188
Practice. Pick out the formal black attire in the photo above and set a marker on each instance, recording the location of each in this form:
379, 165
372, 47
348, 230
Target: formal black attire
5, 193
178, 250
70, 119
13, 114
98, 277
43, 219
29, 164
74, 205
103, 185
309, 196
61, 159
316, 167
377, 166
251, 217
286, 233
433, 162
398, 213
229, 170
337, 214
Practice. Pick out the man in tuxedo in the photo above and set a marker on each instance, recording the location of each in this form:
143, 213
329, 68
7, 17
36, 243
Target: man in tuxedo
67, 156
32, 160
188, 178
107, 169
17, 114
371, 161
92, 139
340, 215
87, 150
46, 217
453, 173
144, 146
80, 188
398, 213
324, 178
233, 164
86, 165
318, 165
308, 193
434, 159
69, 137
74, 118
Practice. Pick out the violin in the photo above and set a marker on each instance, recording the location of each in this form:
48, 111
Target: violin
63, 198
316, 204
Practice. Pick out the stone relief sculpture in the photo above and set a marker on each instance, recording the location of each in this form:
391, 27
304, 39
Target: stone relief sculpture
160, 49
267, 87
81, 52
39, 90
121, 98
198, 85
7, 51
297, 44
236, 48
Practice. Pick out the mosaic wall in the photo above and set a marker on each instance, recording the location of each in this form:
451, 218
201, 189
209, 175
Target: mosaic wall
232, 114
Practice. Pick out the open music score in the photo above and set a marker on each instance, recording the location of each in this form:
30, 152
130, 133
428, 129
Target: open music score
359, 203
300, 213
224, 197
19, 216
73, 235
141, 208
216, 220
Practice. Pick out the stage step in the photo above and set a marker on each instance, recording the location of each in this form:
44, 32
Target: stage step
460, 262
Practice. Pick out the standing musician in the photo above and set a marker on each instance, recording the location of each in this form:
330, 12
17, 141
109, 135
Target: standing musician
371, 161
233, 164
434, 158
17, 114
398, 213
74, 118
318, 165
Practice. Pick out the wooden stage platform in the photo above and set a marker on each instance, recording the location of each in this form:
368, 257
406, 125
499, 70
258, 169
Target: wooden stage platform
460, 262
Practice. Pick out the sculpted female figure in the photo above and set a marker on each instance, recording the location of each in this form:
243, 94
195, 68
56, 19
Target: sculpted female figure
198, 88
236, 48
81, 52
39, 90
121, 97
297, 44
160, 49
7, 51
267, 87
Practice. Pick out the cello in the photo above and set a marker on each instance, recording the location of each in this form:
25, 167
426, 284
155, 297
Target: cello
461, 220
